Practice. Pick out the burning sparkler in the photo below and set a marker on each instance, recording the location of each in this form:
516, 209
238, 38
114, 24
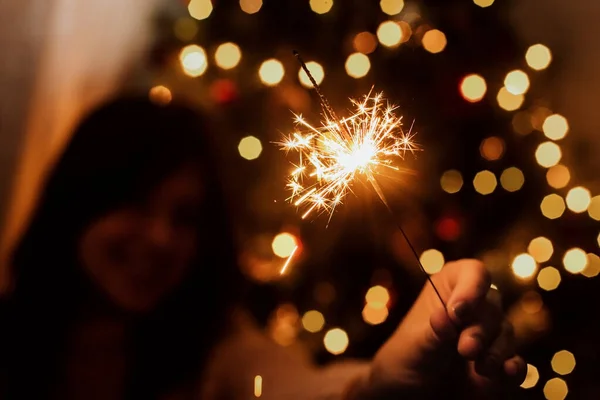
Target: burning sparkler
334, 154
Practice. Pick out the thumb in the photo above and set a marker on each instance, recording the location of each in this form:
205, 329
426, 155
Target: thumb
466, 283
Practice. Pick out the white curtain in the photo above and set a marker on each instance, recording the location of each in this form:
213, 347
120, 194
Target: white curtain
59, 58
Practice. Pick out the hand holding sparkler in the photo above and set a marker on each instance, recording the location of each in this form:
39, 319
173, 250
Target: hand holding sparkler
420, 360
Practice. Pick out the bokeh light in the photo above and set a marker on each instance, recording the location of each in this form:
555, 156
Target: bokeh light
448, 228
193, 60
563, 362
549, 278
512, 179
374, 315
406, 31
185, 29
483, 3
538, 116
365, 42
594, 208
473, 88
321, 6
271, 72
228, 55
553, 206
492, 148
558, 176
377, 297
250, 6
538, 57
485, 182
160, 95
516, 82
434, 41
316, 70
357, 65
555, 389
258, 386
524, 266
593, 266
541, 249
432, 261
389, 34
451, 181
284, 244
555, 127
575, 260
391, 7
531, 302
508, 101
313, 321
336, 341
578, 199
200, 9
283, 324
521, 123
532, 377
250, 148
548, 154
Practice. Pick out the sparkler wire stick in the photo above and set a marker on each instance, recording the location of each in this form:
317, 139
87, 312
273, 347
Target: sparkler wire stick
412, 248
322, 97
329, 110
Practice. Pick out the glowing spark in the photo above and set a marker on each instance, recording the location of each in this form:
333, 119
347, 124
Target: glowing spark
287, 262
333, 155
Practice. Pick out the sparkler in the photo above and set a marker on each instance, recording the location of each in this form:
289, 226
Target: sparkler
331, 157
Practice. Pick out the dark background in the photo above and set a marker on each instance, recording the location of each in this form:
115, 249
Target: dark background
361, 246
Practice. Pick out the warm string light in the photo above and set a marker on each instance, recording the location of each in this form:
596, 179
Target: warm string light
336, 341
258, 386
532, 377
555, 389
376, 310
250, 148
313, 321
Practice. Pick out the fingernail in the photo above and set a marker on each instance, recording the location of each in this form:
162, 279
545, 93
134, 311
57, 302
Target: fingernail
461, 311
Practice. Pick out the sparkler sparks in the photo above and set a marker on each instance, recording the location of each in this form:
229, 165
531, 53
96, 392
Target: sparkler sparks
333, 155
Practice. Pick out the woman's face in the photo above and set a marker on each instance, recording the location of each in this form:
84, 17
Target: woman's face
137, 254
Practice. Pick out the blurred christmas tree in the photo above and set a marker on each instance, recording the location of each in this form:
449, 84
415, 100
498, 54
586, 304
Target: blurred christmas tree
494, 181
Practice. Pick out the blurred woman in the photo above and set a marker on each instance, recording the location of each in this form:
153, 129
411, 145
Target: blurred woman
125, 286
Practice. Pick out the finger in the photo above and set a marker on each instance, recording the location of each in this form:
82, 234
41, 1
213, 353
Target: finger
475, 340
505, 387
515, 369
443, 327
469, 282
503, 348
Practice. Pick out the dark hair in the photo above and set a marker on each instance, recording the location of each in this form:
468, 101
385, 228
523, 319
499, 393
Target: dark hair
117, 155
